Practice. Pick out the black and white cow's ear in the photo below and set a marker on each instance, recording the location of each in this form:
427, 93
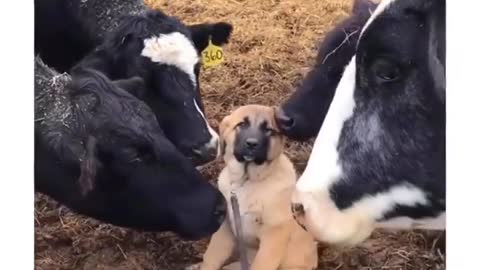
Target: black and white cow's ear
133, 85
219, 32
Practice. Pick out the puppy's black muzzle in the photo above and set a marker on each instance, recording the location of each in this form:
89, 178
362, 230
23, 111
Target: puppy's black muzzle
251, 145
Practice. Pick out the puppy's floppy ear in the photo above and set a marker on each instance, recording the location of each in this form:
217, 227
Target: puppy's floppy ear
219, 32
88, 166
275, 124
224, 127
273, 112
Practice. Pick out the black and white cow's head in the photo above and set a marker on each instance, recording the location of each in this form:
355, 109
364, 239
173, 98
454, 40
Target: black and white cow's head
379, 158
165, 53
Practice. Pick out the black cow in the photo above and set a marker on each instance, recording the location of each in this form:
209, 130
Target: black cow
301, 116
100, 151
165, 53
63, 33
379, 157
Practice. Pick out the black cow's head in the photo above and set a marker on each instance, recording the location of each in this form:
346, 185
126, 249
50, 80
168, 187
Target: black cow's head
130, 174
379, 158
165, 53
301, 116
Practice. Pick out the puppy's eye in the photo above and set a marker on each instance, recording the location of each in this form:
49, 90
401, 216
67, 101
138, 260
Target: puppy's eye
385, 71
243, 124
270, 132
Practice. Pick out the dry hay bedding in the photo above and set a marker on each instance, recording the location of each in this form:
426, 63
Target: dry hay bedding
272, 47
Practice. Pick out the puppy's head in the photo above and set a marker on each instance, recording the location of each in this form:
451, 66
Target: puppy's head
250, 134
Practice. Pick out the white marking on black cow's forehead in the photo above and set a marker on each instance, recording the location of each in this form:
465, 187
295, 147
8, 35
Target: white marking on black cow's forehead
173, 49
379, 10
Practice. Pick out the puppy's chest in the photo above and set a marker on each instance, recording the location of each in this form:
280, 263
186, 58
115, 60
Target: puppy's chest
250, 201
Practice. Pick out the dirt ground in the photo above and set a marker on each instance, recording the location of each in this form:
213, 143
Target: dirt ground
273, 45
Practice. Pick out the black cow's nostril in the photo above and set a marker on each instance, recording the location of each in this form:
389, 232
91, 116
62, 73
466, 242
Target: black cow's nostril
297, 209
198, 153
284, 121
204, 154
251, 142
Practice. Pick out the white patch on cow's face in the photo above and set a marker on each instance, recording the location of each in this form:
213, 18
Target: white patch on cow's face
436, 223
378, 205
322, 168
353, 225
173, 49
213, 143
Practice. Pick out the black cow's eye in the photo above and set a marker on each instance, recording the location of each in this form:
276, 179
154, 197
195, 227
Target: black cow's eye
130, 154
385, 71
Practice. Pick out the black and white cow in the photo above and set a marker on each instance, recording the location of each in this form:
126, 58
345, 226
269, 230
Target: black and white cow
100, 151
159, 48
165, 53
378, 160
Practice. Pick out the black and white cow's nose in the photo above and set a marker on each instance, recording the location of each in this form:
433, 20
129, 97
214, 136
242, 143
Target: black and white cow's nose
251, 143
284, 121
297, 209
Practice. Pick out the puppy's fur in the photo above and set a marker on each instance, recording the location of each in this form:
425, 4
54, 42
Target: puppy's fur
263, 179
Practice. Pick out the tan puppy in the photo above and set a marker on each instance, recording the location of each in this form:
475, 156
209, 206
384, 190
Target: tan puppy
263, 179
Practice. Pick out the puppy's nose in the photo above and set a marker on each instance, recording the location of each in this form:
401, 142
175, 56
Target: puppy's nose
251, 143
284, 121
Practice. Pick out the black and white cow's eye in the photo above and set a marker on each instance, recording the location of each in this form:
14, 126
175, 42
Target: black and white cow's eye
385, 70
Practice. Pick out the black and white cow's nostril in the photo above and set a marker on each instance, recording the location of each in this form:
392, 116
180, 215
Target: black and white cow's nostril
297, 209
284, 121
298, 212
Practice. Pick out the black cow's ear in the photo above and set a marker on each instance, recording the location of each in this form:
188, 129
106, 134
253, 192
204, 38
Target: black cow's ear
134, 85
363, 6
219, 32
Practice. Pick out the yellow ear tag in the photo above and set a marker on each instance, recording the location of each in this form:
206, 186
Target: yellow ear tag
212, 55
